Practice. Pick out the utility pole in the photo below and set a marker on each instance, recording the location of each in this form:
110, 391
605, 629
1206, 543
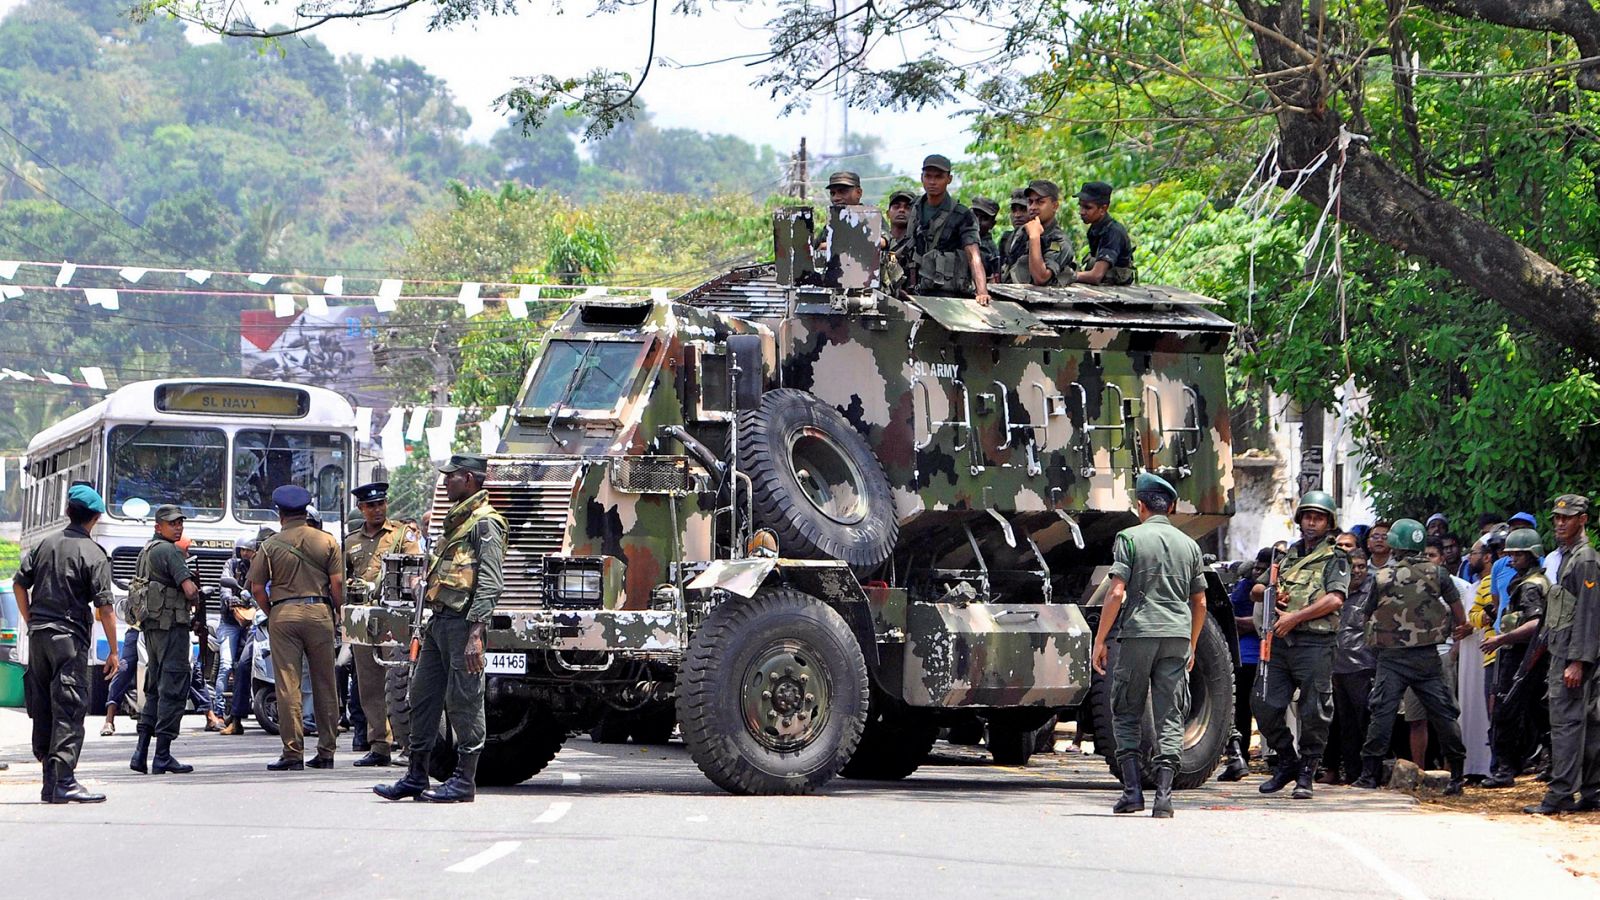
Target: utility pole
797, 173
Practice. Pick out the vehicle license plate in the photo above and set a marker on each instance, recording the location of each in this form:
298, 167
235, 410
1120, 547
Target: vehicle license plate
506, 664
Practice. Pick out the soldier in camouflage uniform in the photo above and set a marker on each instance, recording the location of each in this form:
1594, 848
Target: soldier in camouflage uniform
944, 237
1572, 634
1519, 715
464, 583
1042, 254
1020, 214
1413, 609
1297, 655
1158, 569
986, 211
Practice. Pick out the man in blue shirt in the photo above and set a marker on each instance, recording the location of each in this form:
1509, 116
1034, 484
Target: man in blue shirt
1243, 597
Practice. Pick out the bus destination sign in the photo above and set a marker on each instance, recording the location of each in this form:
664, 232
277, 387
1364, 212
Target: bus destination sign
232, 400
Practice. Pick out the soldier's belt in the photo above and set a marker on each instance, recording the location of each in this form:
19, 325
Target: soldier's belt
300, 600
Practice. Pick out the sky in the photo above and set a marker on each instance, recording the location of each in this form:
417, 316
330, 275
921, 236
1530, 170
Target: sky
480, 60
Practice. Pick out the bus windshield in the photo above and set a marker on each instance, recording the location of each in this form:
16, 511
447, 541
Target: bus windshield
266, 459
583, 374
183, 466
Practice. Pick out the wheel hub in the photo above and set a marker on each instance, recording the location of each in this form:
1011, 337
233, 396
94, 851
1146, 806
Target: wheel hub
785, 696
828, 478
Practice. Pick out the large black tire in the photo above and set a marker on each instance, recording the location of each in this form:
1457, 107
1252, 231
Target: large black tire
772, 697
1013, 735
816, 482
966, 733
397, 697
892, 745
1205, 729
520, 744
654, 725
264, 706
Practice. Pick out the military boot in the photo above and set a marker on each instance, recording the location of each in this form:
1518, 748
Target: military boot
1502, 777
1304, 780
1132, 799
141, 753
1371, 773
411, 785
1458, 778
1282, 774
49, 789
373, 758
1549, 806
164, 763
1162, 809
1587, 802
462, 786
68, 790
1235, 769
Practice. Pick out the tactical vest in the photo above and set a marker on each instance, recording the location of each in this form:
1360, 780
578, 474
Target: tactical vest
1560, 606
1300, 581
1515, 614
455, 570
1409, 609
164, 605
941, 270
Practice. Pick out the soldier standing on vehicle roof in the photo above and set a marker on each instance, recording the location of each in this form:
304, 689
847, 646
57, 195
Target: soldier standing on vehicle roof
172, 603
944, 237
1110, 248
1414, 607
1312, 582
364, 549
303, 567
986, 210
844, 189
1157, 605
58, 582
1020, 214
1572, 629
463, 585
1042, 253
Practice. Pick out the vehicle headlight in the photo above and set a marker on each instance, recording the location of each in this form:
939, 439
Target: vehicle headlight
574, 582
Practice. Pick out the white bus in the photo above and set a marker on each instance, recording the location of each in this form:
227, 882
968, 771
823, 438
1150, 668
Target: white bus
216, 447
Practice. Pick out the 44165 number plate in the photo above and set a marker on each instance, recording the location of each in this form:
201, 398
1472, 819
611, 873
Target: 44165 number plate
506, 663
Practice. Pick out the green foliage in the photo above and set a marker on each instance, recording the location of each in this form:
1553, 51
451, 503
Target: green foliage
411, 487
10, 558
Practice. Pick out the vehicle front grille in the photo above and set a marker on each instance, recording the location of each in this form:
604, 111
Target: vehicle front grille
208, 565
535, 497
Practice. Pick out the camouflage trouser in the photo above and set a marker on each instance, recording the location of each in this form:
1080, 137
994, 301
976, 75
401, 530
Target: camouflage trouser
1302, 662
166, 680
1574, 734
1153, 670
1118, 275
1420, 669
442, 683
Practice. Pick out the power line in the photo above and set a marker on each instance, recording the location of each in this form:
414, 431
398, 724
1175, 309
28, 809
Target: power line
74, 210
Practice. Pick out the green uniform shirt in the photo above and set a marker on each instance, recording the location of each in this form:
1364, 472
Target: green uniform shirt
990, 254
1054, 247
283, 571
65, 574
959, 231
1574, 634
363, 553
168, 565
1162, 568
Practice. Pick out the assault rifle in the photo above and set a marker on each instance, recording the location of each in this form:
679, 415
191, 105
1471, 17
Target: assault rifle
1269, 616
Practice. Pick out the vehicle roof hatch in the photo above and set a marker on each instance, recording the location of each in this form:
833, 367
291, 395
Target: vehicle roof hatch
964, 315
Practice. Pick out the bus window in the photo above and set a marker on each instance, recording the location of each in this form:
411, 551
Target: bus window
264, 460
184, 466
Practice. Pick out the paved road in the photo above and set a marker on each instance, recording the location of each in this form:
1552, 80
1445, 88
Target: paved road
626, 821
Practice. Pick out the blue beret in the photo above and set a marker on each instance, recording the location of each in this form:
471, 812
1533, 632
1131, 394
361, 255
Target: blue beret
86, 497
1150, 482
291, 496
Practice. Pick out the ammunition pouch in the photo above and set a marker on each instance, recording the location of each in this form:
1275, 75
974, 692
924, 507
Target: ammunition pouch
946, 272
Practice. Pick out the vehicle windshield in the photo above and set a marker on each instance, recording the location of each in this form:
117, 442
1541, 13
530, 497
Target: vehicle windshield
151, 466
583, 374
264, 460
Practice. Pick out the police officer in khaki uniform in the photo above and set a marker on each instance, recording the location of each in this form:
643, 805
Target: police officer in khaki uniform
172, 603
463, 585
1157, 606
1413, 608
1572, 634
364, 548
303, 567
1297, 655
59, 581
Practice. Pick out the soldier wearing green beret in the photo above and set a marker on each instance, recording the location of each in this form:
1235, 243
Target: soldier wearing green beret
1413, 608
1297, 653
1157, 607
463, 585
1572, 635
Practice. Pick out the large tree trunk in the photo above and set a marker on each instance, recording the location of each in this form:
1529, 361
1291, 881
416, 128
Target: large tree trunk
1387, 205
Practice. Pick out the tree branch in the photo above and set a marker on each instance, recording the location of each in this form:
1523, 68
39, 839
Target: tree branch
1578, 19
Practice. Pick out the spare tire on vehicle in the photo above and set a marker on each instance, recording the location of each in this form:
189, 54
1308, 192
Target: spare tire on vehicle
816, 482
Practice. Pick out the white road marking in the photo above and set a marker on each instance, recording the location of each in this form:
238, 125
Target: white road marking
554, 813
695, 819
474, 863
1402, 886
571, 778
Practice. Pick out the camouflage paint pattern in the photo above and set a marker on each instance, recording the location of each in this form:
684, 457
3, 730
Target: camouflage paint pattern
1407, 608
990, 654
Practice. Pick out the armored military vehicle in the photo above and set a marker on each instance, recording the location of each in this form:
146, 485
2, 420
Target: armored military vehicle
817, 520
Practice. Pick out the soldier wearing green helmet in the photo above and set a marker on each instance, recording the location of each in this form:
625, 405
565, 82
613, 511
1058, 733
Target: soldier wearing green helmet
1413, 608
1520, 717
1297, 654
